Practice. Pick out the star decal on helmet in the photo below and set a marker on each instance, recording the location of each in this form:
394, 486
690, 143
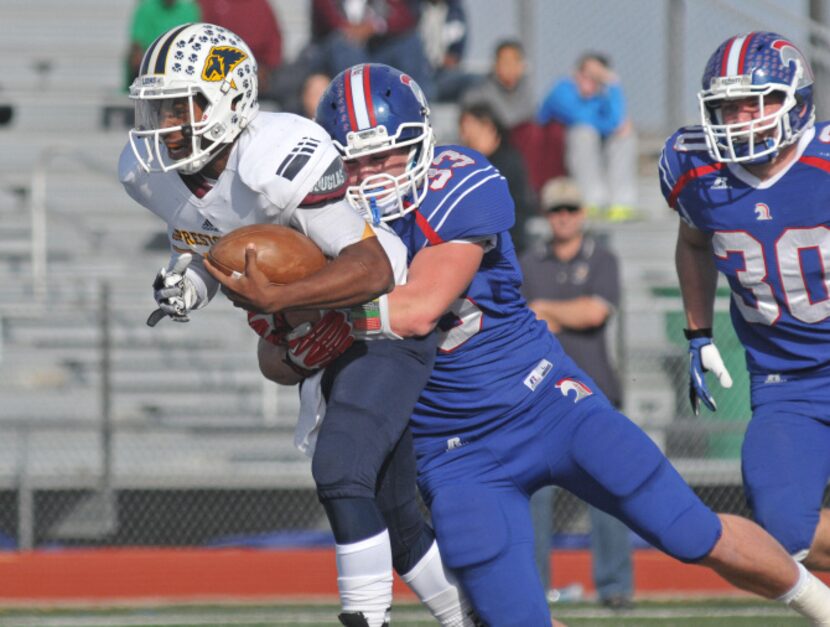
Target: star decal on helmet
220, 62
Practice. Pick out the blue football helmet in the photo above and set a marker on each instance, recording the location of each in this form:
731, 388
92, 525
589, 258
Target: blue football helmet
372, 109
756, 65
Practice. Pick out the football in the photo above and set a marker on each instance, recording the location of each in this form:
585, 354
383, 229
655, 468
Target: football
283, 254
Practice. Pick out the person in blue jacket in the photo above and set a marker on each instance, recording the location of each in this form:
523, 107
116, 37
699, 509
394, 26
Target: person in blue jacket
601, 145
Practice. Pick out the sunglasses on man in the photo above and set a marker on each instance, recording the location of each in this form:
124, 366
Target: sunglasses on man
560, 208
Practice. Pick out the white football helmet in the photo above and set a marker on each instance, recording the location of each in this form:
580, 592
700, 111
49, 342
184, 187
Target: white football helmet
195, 63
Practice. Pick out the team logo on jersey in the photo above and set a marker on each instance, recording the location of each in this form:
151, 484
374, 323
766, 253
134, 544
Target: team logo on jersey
221, 61
721, 182
762, 212
568, 385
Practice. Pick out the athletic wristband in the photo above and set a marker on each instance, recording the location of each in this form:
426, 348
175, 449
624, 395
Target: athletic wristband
696, 333
370, 321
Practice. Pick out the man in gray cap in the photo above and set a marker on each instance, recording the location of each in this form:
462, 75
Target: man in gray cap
573, 285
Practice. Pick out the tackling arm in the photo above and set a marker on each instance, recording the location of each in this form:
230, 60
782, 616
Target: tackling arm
438, 275
697, 275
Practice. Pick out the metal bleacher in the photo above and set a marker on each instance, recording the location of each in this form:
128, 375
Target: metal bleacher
92, 398
185, 404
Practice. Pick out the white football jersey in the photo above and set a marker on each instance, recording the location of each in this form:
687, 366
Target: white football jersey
283, 169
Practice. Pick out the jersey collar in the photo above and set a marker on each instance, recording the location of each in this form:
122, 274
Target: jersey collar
742, 174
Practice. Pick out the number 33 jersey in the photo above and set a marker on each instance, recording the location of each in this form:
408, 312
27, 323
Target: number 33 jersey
493, 352
771, 240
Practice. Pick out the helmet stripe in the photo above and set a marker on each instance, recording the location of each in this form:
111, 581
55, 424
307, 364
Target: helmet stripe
358, 99
367, 93
744, 50
732, 57
156, 54
161, 59
347, 89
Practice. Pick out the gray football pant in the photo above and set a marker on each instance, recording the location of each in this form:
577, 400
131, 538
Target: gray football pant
604, 168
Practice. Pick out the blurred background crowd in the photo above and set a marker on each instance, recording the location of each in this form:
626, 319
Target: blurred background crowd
115, 434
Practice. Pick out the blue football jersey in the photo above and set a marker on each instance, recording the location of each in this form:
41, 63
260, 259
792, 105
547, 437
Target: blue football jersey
493, 351
771, 240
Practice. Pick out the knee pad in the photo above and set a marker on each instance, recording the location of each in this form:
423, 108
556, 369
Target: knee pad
346, 462
615, 452
470, 523
669, 515
786, 520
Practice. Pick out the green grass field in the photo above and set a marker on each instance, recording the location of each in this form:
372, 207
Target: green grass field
706, 613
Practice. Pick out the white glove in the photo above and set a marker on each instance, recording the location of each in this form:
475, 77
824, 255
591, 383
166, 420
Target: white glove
173, 291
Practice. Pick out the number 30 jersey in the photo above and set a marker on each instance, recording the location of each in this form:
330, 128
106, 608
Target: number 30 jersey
771, 240
493, 351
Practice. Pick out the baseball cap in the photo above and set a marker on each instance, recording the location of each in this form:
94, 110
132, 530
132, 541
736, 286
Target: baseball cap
560, 192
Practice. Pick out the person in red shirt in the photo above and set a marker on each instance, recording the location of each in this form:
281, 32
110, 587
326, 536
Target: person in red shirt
257, 24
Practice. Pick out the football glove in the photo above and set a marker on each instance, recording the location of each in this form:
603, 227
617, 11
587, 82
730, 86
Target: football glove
704, 357
272, 328
316, 345
175, 294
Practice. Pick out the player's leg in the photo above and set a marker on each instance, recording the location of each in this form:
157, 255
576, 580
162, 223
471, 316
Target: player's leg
785, 469
611, 559
483, 525
415, 553
618, 468
583, 157
370, 392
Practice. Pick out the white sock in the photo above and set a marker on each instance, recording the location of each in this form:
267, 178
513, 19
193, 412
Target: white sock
365, 577
809, 597
438, 590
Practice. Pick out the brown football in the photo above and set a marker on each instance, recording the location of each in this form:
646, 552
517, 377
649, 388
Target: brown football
283, 254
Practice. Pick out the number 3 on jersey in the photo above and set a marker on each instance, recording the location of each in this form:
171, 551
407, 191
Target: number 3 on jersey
804, 299
438, 179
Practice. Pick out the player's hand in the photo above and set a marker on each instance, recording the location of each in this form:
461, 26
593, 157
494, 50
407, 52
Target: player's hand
175, 294
316, 345
251, 290
704, 357
273, 328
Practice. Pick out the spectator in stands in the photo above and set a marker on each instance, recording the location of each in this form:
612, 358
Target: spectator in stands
506, 88
313, 87
349, 32
480, 129
601, 145
150, 19
257, 24
573, 285
443, 30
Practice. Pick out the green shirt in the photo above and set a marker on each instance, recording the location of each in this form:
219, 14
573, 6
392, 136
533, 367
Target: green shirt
153, 18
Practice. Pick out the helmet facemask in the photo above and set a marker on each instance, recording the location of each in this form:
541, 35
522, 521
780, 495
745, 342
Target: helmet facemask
757, 140
383, 197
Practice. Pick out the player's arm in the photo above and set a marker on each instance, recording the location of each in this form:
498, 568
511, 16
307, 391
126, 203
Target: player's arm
359, 271
698, 281
697, 275
578, 314
438, 275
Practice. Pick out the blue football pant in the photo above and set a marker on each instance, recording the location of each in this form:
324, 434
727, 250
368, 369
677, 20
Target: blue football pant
786, 466
479, 497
